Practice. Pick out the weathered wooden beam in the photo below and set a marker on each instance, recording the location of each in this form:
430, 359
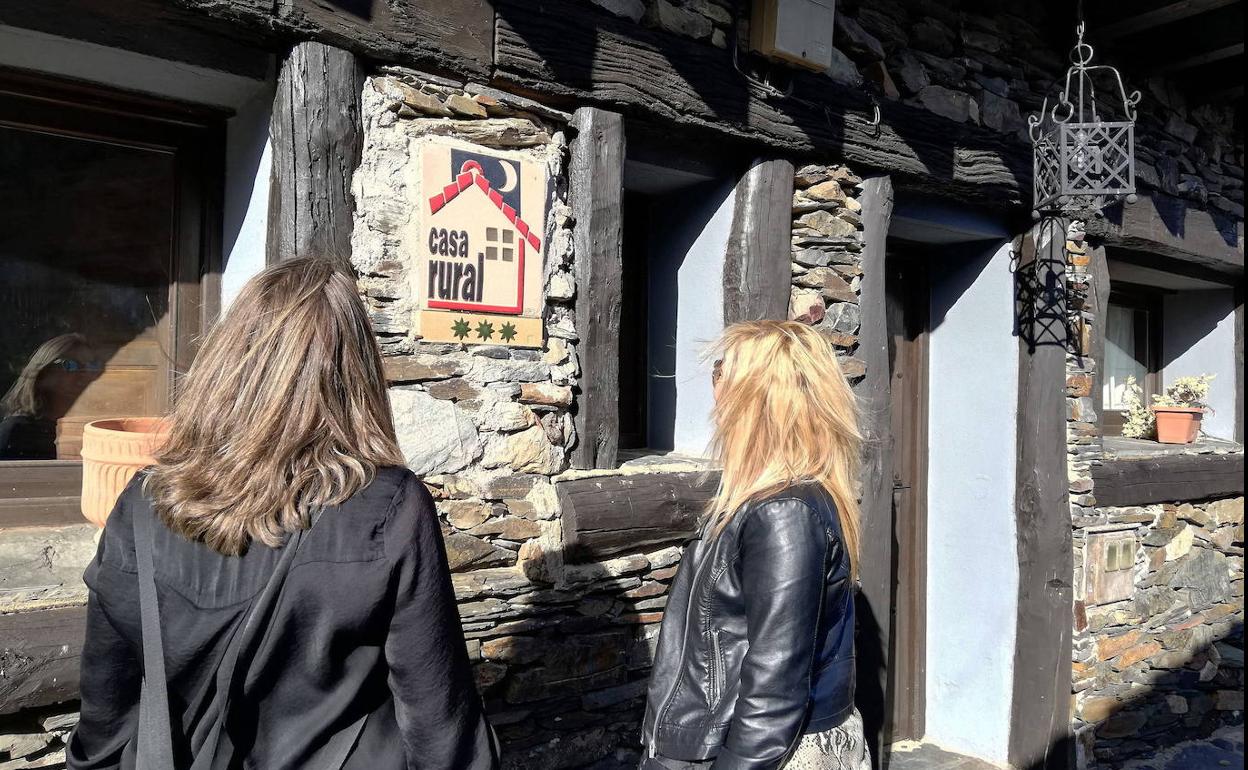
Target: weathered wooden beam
40, 651
1171, 227
454, 36
152, 27
556, 49
757, 272
1198, 59
1041, 705
613, 514
1156, 17
1168, 479
1239, 363
1098, 306
596, 196
317, 136
875, 393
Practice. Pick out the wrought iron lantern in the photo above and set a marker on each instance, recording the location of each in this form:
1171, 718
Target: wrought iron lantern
1082, 163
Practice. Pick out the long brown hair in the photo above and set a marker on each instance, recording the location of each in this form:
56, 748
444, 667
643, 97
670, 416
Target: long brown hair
285, 409
784, 413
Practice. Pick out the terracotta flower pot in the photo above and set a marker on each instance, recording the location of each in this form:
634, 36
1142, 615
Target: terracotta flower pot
1178, 424
112, 452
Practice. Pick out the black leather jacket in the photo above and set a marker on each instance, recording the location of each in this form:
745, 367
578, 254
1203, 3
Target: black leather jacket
757, 644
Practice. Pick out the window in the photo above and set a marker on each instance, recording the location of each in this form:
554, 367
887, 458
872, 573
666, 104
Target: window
108, 242
1166, 319
1132, 350
675, 233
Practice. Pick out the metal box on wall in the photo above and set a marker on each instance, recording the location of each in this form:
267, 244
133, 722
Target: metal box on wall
795, 31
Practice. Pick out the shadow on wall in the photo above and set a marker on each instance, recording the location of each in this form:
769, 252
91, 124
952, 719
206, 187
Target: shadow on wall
527, 43
1185, 701
564, 679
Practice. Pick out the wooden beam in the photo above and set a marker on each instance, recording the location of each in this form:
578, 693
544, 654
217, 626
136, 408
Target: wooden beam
596, 196
615, 514
876, 553
1166, 14
317, 136
1041, 705
1198, 59
41, 652
1172, 227
561, 50
151, 27
1168, 479
1098, 305
1239, 363
454, 36
757, 272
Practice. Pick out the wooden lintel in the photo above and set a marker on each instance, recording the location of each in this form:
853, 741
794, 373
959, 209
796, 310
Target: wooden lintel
757, 271
557, 49
596, 195
1168, 479
454, 36
40, 650
1169, 13
608, 515
1172, 227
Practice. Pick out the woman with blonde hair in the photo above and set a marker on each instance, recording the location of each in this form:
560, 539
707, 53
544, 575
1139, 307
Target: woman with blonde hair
274, 592
755, 663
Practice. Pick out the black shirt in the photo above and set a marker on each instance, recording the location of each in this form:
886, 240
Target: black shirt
366, 624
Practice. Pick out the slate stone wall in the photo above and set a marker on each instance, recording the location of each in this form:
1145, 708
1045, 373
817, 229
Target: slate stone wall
989, 64
827, 258
1158, 641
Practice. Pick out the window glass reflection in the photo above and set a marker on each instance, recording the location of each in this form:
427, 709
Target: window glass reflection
85, 242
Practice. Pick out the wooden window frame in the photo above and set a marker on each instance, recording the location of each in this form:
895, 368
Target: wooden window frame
47, 491
1148, 342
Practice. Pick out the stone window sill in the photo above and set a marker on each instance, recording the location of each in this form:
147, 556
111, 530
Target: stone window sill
1119, 447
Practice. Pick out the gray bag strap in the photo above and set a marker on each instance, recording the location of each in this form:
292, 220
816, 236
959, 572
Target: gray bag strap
155, 738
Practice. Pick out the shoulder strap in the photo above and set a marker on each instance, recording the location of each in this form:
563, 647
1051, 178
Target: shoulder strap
155, 738
216, 751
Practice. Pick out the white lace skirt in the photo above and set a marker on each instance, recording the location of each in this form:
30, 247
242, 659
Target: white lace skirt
841, 748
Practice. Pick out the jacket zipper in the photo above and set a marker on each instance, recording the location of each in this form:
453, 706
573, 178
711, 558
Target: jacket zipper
684, 647
717, 669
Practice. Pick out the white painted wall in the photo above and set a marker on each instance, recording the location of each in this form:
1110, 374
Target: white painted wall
248, 160
1198, 337
690, 232
247, 132
972, 579
700, 310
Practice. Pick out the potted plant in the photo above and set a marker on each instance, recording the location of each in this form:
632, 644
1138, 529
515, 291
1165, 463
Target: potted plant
1180, 409
1174, 416
113, 450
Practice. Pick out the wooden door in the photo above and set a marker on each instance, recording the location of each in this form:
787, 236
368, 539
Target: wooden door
907, 307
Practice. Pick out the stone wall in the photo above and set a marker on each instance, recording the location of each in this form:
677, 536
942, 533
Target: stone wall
1158, 641
827, 258
990, 64
561, 651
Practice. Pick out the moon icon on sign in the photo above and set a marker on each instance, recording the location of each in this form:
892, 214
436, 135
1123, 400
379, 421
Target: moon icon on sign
509, 171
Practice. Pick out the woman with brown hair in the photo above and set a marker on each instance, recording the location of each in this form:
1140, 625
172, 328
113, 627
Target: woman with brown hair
755, 663
274, 592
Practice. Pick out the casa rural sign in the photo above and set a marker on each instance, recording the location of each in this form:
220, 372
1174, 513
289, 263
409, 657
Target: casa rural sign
480, 228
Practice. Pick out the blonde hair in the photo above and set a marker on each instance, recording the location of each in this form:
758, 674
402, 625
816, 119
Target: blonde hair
784, 414
23, 398
284, 410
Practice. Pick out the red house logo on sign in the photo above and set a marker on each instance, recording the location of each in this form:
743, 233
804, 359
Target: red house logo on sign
479, 245
478, 242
